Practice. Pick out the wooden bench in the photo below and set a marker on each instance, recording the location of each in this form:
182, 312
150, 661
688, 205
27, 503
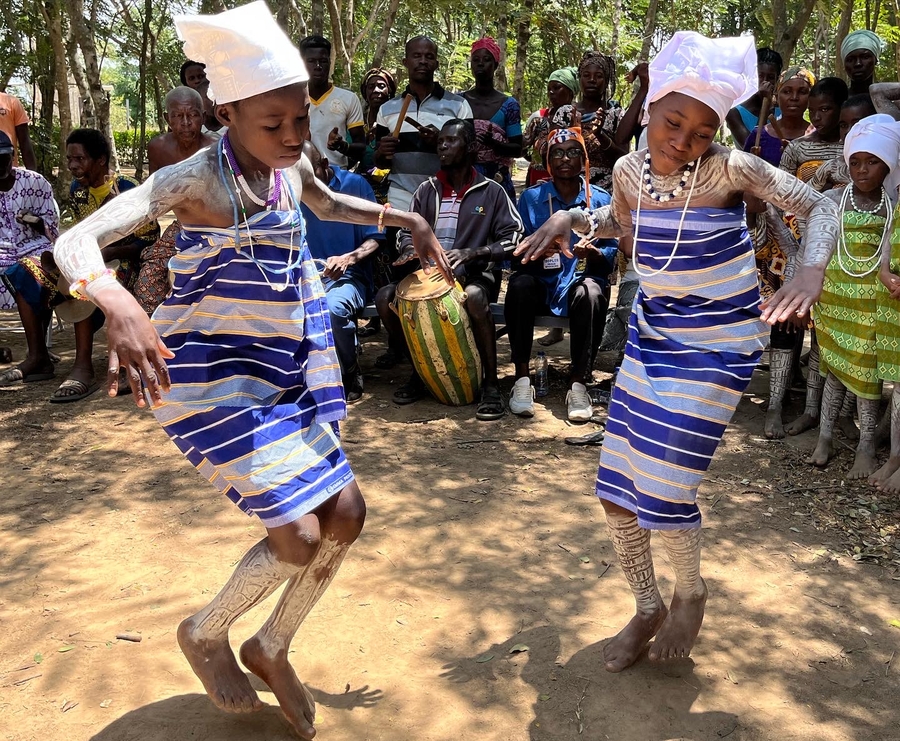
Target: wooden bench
499, 319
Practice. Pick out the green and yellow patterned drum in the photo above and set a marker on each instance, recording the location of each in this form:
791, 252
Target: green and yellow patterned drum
439, 336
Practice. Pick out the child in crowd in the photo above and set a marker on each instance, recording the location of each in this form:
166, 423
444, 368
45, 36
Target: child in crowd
847, 312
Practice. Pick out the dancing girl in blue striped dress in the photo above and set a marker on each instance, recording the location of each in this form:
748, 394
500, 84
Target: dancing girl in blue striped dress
697, 328
238, 364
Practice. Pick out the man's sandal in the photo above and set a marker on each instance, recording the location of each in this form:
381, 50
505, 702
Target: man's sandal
491, 406
12, 376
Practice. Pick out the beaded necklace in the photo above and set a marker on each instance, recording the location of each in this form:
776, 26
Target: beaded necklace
274, 178
637, 220
873, 261
647, 179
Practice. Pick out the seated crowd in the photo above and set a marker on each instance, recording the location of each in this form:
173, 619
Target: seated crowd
449, 157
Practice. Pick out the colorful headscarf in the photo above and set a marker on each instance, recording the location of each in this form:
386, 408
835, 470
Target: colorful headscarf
486, 42
606, 63
862, 39
573, 133
797, 72
878, 135
382, 73
567, 76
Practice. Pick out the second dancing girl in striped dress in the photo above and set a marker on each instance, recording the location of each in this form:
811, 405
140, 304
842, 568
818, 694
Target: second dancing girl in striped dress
697, 329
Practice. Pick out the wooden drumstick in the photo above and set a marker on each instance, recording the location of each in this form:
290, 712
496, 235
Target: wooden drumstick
778, 132
399, 125
763, 111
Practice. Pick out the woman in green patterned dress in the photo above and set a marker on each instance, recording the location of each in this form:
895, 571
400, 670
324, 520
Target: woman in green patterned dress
847, 312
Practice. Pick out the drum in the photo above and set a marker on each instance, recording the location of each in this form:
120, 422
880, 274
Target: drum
439, 336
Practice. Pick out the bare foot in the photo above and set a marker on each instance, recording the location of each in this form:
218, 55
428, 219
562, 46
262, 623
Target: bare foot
774, 425
803, 423
849, 429
892, 485
822, 454
628, 644
214, 663
296, 702
679, 631
552, 337
864, 465
891, 466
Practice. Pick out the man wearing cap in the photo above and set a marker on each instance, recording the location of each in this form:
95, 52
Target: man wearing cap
238, 363
14, 123
34, 280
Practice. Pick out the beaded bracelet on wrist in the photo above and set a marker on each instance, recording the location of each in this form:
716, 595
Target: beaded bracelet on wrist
593, 223
77, 288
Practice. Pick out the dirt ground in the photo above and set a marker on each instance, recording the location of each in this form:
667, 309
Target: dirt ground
475, 604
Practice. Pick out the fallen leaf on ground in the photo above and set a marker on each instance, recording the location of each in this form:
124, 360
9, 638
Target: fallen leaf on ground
38, 658
894, 623
518, 648
65, 648
106, 703
484, 659
543, 698
585, 559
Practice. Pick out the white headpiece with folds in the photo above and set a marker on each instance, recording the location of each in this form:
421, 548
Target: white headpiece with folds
245, 51
878, 135
718, 72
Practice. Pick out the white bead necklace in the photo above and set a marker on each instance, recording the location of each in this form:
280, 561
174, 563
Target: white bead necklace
647, 180
873, 261
637, 224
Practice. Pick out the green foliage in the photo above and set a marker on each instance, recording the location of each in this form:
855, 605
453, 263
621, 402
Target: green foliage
127, 145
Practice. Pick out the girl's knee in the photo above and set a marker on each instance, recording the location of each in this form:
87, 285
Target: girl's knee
297, 542
345, 521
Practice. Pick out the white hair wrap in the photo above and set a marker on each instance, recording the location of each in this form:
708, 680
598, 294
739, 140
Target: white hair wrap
717, 72
878, 135
245, 51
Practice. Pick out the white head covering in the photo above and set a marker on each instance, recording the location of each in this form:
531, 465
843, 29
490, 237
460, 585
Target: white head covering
878, 135
717, 72
245, 51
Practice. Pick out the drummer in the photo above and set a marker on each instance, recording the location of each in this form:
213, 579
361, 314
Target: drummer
34, 280
478, 226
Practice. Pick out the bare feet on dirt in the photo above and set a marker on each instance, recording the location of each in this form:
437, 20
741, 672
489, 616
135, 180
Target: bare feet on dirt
629, 643
296, 702
848, 428
891, 466
822, 454
864, 465
774, 425
892, 484
678, 633
800, 425
552, 337
214, 664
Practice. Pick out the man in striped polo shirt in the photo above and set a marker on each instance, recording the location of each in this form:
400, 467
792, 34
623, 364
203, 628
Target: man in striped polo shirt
412, 157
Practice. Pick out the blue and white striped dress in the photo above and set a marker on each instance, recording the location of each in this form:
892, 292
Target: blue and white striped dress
256, 386
695, 337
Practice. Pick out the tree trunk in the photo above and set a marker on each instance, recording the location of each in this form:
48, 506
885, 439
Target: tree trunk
338, 46
894, 18
616, 22
142, 90
649, 30
317, 17
53, 16
385, 37
502, 37
785, 36
840, 34
523, 35
77, 70
84, 35
13, 54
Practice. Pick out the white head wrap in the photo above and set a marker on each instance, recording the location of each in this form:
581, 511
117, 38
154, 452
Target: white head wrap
245, 51
717, 72
878, 135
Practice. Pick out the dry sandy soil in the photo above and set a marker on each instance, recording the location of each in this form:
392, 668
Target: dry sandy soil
482, 539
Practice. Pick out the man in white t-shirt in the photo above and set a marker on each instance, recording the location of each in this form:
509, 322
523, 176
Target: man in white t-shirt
336, 123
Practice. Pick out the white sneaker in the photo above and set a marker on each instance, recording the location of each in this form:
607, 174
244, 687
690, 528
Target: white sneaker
521, 400
579, 403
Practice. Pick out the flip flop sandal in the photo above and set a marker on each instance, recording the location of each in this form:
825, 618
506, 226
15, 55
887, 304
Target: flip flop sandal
81, 391
595, 438
14, 375
490, 407
387, 360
